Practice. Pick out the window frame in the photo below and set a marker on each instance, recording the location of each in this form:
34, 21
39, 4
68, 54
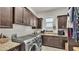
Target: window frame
49, 28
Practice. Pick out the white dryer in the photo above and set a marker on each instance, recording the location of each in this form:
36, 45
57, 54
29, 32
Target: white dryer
31, 45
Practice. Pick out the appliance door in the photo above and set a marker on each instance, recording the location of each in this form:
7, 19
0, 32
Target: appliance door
39, 41
34, 47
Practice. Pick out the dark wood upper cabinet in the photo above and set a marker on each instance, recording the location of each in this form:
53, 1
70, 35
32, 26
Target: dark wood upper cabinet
39, 23
35, 21
62, 21
26, 17
18, 15
31, 19
6, 17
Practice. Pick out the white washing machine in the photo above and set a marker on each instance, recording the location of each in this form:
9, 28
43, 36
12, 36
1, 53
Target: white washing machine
31, 45
38, 40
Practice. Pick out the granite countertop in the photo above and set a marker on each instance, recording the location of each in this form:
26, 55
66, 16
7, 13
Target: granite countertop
75, 48
53, 34
8, 45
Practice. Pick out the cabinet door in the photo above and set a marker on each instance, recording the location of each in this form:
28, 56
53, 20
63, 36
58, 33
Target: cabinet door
35, 21
26, 17
18, 15
39, 23
17, 48
45, 40
29, 17
6, 17
56, 42
31, 20
62, 21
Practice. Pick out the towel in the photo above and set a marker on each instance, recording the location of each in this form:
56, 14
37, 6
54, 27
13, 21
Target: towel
71, 13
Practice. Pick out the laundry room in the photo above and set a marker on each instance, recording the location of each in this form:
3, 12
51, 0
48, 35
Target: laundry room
39, 28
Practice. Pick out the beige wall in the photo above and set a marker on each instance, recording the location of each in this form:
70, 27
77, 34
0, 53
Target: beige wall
53, 14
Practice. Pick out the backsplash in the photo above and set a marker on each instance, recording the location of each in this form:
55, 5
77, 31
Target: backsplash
20, 30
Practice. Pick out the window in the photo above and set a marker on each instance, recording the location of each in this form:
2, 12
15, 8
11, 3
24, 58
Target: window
49, 23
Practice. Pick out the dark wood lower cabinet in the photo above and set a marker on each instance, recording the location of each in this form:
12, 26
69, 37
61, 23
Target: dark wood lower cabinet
72, 43
17, 48
54, 41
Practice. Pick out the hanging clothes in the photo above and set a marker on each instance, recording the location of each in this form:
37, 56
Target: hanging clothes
75, 18
73, 14
70, 28
70, 32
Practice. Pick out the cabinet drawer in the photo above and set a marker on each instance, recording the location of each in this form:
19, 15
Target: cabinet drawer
17, 48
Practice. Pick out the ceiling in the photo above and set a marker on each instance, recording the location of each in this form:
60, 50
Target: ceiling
44, 9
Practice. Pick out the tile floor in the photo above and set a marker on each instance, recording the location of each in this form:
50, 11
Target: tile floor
46, 48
